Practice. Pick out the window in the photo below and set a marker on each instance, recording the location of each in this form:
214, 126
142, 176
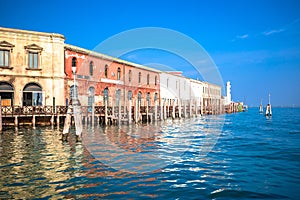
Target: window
5, 50
129, 95
91, 68
140, 77
129, 76
167, 83
32, 95
119, 73
139, 98
155, 96
4, 58
106, 71
74, 62
155, 80
148, 79
33, 53
33, 62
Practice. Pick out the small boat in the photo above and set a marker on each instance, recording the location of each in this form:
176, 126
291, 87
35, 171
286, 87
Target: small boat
261, 108
269, 108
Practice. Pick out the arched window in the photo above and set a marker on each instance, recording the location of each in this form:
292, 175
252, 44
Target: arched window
129, 75
6, 93
148, 79
140, 77
119, 73
155, 80
155, 96
74, 62
32, 95
91, 98
118, 96
106, 71
91, 68
129, 95
140, 98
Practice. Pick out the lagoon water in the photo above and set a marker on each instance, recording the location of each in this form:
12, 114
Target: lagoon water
237, 156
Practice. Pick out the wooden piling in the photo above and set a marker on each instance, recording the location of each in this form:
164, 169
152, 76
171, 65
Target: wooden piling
57, 120
179, 109
165, 111
105, 110
16, 121
155, 110
129, 112
52, 120
119, 113
173, 109
136, 111
184, 109
93, 114
67, 122
33, 120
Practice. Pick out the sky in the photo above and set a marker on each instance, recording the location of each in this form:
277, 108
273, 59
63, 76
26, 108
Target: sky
254, 44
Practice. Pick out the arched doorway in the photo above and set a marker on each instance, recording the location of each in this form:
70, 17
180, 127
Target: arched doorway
32, 95
7, 94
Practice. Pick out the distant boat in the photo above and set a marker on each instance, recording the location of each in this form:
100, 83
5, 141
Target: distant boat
269, 108
261, 108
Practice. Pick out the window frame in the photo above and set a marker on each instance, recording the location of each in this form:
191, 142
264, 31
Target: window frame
6, 47
91, 68
148, 79
119, 73
140, 77
129, 75
106, 71
32, 50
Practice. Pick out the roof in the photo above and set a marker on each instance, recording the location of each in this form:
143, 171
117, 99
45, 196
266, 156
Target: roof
106, 57
12, 30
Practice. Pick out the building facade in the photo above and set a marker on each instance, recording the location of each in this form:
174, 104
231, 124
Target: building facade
36, 70
101, 78
31, 68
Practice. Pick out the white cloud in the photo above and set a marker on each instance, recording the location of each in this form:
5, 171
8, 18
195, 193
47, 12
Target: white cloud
242, 36
271, 32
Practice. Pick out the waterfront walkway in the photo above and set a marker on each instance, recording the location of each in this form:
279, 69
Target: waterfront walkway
32, 115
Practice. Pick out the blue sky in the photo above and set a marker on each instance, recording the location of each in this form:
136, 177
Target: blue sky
255, 44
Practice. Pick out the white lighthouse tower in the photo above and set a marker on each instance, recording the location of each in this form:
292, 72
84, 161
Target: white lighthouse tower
228, 93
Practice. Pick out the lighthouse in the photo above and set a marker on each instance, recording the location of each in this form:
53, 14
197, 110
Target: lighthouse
228, 93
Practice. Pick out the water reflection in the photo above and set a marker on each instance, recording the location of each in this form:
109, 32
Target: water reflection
35, 163
147, 148
136, 160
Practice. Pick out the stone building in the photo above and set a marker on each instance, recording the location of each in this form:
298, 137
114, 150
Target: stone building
31, 68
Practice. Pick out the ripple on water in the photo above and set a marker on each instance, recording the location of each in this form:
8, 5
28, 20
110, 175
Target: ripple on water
251, 157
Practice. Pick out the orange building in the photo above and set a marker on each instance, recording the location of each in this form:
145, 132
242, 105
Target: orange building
100, 77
